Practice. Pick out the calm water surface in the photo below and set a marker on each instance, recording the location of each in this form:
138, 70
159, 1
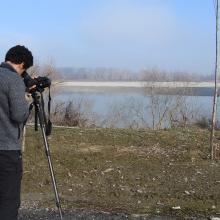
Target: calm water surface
101, 102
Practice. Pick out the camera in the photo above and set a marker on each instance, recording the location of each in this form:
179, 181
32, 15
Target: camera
41, 82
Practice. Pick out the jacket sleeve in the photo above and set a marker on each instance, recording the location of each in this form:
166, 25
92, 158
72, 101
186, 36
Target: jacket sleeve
18, 106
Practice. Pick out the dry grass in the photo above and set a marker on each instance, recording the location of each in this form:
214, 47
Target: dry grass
125, 171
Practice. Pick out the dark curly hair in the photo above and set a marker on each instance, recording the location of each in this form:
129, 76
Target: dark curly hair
20, 54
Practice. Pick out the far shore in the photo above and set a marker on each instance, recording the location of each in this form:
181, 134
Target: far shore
168, 88
143, 84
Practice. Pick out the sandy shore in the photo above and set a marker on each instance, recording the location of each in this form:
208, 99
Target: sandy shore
135, 84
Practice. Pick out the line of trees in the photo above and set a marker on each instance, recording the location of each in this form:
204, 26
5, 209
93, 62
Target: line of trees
110, 74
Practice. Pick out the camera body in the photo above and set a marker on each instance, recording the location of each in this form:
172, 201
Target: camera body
41, 82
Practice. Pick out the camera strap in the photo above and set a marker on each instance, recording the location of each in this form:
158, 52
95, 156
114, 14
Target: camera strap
49, 123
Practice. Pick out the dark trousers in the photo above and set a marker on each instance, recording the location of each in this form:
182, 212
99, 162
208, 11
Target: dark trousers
10, 184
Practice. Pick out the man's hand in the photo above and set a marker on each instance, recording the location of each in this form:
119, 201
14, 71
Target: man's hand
31, 89
28, 97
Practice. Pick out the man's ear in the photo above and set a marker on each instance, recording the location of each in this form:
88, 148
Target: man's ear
22, 65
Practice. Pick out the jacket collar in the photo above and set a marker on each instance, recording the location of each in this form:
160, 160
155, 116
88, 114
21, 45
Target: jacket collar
7, 66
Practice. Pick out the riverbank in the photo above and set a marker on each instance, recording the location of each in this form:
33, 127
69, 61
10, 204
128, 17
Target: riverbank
143, 172
134, 84
162, 88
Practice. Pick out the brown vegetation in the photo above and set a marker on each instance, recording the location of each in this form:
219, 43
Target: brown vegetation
129, 171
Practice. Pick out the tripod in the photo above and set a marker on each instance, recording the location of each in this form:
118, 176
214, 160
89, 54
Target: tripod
38, 104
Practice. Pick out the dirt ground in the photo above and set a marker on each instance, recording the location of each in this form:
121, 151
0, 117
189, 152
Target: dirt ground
83, 215
137, 173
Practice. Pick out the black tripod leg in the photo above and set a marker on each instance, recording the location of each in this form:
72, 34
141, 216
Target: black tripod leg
47, 151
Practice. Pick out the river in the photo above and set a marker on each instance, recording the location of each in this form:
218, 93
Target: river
105, 101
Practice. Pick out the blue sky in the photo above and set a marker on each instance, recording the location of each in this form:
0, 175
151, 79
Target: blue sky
171, 35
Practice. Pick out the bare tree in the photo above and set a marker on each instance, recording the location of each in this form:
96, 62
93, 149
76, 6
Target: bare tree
212, 146
170, 110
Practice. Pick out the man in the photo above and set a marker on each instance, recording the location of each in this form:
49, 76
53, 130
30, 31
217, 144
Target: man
14, 111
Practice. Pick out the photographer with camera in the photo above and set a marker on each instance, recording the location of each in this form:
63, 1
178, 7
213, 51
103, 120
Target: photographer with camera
14, 111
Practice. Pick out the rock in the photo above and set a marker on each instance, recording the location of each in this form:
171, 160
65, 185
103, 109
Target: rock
69, 174
213, 207
176, 207
187, 192
108, 170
